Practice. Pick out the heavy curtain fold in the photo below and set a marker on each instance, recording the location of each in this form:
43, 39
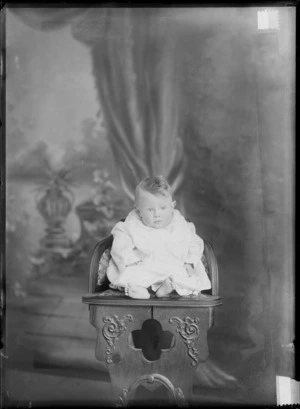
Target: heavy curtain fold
136, 73
47, 18
274, 92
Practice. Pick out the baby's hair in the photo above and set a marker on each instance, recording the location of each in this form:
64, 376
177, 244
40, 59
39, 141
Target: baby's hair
155, 185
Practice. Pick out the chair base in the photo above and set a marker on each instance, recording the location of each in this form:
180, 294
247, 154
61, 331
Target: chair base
166, 356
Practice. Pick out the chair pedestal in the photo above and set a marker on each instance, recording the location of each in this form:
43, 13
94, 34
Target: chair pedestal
151, 346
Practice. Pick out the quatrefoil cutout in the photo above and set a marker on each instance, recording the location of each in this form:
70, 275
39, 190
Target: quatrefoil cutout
152, 339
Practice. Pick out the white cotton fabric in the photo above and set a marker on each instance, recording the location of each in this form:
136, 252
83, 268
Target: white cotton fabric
146, 256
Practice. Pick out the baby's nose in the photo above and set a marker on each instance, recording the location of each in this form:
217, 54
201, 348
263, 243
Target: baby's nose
156, 212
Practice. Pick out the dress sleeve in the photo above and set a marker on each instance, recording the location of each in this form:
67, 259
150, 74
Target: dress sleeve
196, 247
123, 250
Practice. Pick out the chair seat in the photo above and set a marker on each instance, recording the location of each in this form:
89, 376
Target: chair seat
114, 297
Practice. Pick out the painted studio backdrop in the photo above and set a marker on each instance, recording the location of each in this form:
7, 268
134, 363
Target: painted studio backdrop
97, 99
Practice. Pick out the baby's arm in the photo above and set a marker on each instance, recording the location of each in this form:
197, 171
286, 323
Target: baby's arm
195, 251
189, 268
123, 250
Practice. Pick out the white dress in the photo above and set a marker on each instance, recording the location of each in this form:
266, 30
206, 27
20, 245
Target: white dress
145, 256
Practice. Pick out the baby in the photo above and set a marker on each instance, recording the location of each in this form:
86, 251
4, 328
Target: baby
155, 247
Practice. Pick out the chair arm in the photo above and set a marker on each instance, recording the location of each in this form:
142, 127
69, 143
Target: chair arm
213, 267
99, 249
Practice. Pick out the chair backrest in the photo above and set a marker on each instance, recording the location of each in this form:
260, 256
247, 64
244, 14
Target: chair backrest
208, 259
212, 270
99, 249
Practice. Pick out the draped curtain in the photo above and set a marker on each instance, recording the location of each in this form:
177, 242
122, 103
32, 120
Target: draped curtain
136, 74
274, 83
135, 67
47, 18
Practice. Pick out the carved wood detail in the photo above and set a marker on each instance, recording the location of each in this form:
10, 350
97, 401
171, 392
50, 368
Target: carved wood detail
112, 330
189, 331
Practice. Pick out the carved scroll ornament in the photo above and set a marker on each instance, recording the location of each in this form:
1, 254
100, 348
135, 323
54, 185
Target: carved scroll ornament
176, 393
189, 331
112, 330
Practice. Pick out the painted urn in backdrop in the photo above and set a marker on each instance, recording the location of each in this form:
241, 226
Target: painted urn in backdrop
54, 203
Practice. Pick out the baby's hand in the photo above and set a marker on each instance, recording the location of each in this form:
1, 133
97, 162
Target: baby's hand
189, 268
134, 264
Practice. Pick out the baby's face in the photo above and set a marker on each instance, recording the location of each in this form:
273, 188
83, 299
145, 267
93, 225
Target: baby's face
155, 210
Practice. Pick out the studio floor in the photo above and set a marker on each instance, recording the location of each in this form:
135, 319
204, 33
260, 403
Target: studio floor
50, 359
